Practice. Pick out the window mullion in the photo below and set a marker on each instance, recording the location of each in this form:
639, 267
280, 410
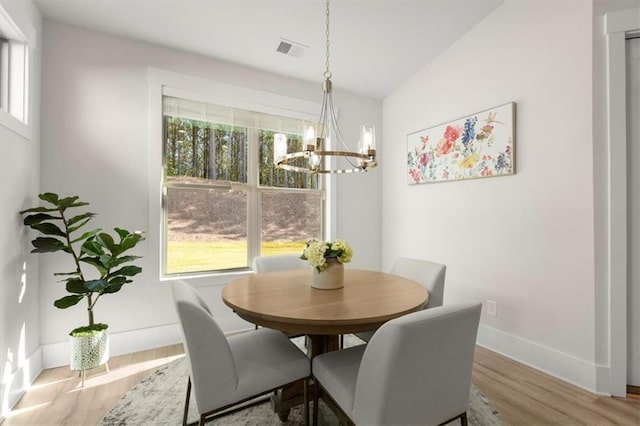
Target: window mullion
253, 200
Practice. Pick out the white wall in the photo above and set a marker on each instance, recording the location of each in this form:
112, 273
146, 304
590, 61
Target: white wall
527, 240
19, 175
95, 144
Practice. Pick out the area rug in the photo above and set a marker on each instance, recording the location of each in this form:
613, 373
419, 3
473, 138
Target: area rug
159, 400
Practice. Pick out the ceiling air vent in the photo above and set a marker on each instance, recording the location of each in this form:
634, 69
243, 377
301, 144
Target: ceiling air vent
291, 48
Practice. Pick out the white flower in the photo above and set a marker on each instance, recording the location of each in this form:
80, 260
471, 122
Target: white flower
316, 253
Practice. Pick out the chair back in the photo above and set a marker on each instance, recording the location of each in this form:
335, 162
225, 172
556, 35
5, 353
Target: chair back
416, 369
211, 366
278, 262
429, 274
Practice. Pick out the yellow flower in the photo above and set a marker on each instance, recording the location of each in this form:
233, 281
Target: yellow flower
469, 162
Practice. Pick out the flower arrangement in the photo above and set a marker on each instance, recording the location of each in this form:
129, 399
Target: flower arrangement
317, 252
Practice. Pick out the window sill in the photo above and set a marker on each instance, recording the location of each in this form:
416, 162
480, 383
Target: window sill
208, 279
9, 122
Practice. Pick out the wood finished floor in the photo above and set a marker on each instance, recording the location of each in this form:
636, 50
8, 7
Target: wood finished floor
522, 395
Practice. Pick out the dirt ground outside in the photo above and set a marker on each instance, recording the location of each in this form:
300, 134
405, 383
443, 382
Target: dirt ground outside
221, 215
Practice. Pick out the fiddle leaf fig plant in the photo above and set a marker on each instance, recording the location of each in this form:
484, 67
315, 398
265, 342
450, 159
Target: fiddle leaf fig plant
91, 250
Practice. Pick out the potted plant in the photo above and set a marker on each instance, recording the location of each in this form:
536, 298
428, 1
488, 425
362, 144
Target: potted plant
327, 259
92, 250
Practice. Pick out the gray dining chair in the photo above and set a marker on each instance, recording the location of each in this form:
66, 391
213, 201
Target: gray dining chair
429, 274
278, 262
415, 370
225, 371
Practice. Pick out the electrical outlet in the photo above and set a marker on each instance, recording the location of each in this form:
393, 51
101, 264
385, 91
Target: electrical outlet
492, 307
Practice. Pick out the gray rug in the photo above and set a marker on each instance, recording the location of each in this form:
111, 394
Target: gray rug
159, 400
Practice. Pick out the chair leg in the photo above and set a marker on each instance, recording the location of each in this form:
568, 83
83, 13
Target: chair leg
316, 400
186, 403
463, 419
306, 402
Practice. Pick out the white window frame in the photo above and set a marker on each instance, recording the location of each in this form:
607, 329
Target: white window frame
162, 82
15, 112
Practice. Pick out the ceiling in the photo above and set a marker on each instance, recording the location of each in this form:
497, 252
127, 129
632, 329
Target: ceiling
375, 44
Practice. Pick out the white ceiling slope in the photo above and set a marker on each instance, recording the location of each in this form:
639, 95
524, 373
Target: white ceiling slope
375, 44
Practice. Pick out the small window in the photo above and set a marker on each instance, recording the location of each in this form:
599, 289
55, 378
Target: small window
14, 71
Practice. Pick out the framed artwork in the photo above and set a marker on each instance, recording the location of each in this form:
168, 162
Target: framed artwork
476, 146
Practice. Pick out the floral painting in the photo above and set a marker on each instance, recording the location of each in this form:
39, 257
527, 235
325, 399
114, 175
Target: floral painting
479, 145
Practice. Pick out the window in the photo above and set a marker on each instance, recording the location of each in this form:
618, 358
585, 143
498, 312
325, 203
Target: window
14, 75
224, 202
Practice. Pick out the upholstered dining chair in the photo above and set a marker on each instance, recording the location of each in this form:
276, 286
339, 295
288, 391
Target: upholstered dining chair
225, 371
416, 369
278, 262
429, 274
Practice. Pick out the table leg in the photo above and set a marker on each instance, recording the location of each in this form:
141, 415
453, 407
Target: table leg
290, 396
321, 343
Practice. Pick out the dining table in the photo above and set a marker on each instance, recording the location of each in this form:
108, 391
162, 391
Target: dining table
285, 300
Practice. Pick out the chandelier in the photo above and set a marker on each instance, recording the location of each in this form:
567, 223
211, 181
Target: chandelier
323, 147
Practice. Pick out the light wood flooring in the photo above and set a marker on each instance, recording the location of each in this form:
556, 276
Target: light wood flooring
522, 395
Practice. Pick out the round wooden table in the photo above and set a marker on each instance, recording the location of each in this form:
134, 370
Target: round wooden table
285, 301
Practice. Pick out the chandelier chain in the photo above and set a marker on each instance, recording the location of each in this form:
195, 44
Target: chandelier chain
327, 73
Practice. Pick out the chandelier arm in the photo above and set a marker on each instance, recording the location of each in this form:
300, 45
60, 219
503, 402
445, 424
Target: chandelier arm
340, 143
322, 120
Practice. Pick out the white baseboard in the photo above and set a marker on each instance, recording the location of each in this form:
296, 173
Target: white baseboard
16, 383
563, 366
57, 354
603, 380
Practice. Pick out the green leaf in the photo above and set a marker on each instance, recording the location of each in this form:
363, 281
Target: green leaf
68, 301
49, 229
127, 271
92, 248
107, 241
48, 245
95, 262
123, 259
107, 260
39, 210
39, 217
57, 274
67, 202
129, 242
116, 284
96, 285
122, 232
78, 218
49, 197
86, 235
79, 225
75, 285
79, 204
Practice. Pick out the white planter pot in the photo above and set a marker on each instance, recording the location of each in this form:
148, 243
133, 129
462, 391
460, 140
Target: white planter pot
90, 351
330, 278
